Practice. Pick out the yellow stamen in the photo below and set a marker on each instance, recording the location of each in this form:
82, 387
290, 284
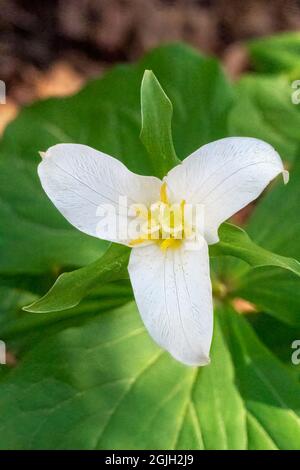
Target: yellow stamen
164, 222
163, 193
138, 241
170, 243
142, 212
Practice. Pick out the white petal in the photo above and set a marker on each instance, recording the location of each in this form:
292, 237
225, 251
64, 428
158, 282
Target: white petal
173, 293
79, 179
224, 176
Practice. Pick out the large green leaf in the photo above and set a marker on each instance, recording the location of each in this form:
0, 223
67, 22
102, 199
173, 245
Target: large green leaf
87, 386
278, 337
92, 385
11, 302
273, 291
270, 393
264, 110
22, 328
275, 226
276, 54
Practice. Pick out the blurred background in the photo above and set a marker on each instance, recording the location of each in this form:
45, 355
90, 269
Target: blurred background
51, 47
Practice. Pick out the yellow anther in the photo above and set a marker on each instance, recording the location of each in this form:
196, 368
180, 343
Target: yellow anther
137, 241
142, 212
164, 223
163, 193
170, 243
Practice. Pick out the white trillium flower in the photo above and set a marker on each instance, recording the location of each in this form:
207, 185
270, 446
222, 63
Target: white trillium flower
171, 282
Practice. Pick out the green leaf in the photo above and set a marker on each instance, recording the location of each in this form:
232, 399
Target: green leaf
23, 329
70, 288
276, 54
258, 438
34, 237
234, 241
275, 225
91, 383
156, 133
102, 377
278, 337
270, 393
268, 113
11, 301
275, 221
273, 291
219, 407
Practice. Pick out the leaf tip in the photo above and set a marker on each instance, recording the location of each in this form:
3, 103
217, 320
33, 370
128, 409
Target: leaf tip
148, 72
27, 308
148, 75
33, 307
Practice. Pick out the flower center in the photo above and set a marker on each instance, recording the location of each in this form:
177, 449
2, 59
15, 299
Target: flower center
165, 223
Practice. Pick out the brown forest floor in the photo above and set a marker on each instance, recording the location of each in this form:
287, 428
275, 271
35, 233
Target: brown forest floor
50, 47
